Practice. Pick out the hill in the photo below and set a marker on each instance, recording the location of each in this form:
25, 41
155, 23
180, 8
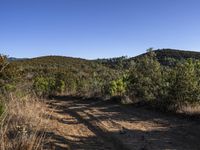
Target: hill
177, 54
170, 56
58, 63
76, 74
166, 57
14, 59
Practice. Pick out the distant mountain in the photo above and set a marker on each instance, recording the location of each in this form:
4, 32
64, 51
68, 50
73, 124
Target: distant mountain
14, 58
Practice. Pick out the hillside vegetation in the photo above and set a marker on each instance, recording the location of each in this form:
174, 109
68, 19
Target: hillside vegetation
166, 57
151, 77
167, 80
65, 75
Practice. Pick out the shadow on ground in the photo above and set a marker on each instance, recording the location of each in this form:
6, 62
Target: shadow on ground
164, 132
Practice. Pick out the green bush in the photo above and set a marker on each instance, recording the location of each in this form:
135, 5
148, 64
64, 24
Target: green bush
44, 86
185, 85
145, 78
117, 87
164, 87
59, 86
9, 87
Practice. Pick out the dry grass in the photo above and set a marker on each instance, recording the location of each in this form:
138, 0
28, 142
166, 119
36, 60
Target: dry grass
191, 110
23, 124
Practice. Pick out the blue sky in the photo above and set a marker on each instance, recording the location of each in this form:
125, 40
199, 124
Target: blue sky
97, 28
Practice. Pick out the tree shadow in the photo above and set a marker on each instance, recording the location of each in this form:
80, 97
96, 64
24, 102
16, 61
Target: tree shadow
175, 134
56, 142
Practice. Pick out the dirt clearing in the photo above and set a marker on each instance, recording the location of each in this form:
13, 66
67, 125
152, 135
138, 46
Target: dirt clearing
97, 125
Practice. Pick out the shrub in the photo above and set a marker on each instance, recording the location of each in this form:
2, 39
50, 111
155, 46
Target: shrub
117, 87
23, 125
145, 78
9, 87
3, 62
185, 85
44, 86
59, 86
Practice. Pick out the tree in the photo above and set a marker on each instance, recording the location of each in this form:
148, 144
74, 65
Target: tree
60, 86
185, 86
44, 86
145, 78
117, 87
3, 65
3, 62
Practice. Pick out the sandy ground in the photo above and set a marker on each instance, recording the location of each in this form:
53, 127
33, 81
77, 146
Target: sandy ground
104, 125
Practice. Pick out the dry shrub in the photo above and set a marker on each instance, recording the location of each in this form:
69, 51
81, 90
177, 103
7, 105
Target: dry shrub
23, 124
191, 109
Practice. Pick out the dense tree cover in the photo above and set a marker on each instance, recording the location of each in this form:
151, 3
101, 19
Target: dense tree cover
176, 54
165, 87
3, 65
64, 75
166, 57
115, 63
3, 62
184, 87
168, 88
169, 57
145, 78
166, 81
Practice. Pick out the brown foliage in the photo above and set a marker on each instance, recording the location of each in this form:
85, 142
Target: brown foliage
23, 124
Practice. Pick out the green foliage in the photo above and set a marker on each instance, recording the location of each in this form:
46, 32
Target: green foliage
176, 54
3, 65
117, 63
162, 78
166, 88
59, 83
1, 108
185, 85
3, 62
60, 86
117, 87
9, 87
44, 86
145, 78
71, 75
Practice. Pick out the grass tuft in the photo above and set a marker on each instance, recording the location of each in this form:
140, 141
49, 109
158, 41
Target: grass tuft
23, 124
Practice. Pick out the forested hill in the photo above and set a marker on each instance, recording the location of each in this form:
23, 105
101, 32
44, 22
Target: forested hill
53, 61
76, 75
169, 56
116, 76
60, 64
68, 66
177, 54
165, 56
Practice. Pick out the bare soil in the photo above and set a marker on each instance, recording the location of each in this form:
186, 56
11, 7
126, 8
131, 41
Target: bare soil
80, 124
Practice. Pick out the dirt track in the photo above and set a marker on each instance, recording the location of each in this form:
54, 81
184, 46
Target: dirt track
97, 125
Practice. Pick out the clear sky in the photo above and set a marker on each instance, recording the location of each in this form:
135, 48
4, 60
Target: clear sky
97, 28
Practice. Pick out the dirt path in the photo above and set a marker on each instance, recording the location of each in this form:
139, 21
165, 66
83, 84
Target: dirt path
98, 125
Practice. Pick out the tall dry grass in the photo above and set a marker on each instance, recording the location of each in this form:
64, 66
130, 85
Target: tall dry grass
23, 124
191, 110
